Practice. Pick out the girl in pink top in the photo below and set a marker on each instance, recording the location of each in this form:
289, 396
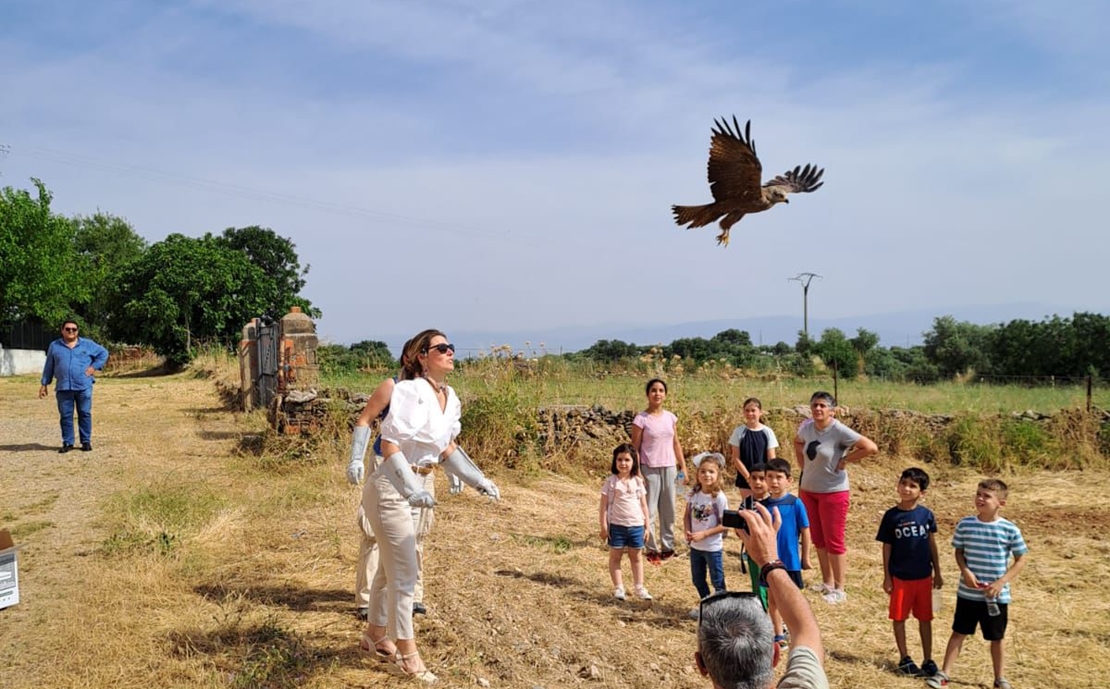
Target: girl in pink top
623, 514
655, 438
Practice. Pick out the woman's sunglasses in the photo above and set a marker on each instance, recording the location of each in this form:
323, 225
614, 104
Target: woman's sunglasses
442, 348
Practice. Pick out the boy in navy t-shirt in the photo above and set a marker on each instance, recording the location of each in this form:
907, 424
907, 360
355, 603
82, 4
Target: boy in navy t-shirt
911, 568
794, 530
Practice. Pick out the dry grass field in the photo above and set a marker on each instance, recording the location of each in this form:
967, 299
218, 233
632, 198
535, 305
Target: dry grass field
180, 553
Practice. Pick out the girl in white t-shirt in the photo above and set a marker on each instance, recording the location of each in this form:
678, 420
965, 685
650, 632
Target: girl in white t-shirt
705, 505
752, 443
623, 515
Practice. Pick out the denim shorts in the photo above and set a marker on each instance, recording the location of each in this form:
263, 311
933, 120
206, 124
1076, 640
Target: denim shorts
626, 536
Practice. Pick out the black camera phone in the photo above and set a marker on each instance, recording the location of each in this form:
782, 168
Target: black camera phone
733, 520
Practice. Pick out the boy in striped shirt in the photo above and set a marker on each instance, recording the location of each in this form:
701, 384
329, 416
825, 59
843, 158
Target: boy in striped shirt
984, 544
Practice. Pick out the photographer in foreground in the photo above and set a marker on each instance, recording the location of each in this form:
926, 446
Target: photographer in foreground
736, 647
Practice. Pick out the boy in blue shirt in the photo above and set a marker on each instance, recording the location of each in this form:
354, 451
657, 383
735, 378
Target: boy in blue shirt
794, 529
911, 568
984, 544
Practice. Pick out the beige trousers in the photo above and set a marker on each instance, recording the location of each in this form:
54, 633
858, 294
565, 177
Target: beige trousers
368, 547
394, 583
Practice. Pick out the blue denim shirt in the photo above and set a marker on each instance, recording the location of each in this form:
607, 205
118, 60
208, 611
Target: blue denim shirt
69, 365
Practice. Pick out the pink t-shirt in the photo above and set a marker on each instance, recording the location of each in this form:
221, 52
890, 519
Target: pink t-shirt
657, 441
624, 500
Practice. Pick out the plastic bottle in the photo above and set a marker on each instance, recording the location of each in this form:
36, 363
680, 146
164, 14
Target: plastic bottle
992, 607
938, 600
680, 483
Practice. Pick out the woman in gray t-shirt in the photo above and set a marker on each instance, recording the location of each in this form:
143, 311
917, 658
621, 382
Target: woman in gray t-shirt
823, 449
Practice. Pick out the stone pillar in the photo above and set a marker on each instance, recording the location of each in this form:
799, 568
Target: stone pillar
298, 368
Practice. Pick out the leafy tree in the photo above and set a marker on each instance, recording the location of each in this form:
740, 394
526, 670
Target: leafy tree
697, 348
277, 258
183, 291
837, 352
38, 275
104, 244
1092, 343
864, 343
611, 350
957, 347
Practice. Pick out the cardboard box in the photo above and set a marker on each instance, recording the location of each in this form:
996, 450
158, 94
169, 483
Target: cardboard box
9, 570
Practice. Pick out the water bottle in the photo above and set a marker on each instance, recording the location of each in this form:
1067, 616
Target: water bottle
680, 483
992, 607
938, 600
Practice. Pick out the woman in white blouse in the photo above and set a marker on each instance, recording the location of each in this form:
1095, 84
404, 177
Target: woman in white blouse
419, 431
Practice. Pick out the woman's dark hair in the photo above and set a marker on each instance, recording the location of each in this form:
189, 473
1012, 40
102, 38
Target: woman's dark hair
653, 381
750, 400
410, 358
626, 448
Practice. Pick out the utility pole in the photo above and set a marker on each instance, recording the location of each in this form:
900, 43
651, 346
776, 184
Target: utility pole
4, 150
805, 279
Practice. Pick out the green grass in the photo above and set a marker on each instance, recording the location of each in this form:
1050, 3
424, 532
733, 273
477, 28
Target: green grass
156, 518
555, 382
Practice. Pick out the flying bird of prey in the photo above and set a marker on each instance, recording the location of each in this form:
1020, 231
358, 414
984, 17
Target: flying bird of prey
734, 181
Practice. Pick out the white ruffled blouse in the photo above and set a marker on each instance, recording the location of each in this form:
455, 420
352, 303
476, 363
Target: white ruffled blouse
415, 423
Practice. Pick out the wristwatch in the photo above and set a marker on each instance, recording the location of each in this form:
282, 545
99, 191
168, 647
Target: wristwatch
768, 568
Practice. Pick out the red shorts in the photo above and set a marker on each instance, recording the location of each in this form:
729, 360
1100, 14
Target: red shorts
828, 519
914, 595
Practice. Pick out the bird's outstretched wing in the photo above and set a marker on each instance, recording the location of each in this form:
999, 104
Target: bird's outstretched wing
734, 167
799, 180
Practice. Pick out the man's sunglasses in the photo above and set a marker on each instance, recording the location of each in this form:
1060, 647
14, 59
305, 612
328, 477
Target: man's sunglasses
719, 596
70, 330
442, 348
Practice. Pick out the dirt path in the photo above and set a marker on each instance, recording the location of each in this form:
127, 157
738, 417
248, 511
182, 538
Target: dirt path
144, 430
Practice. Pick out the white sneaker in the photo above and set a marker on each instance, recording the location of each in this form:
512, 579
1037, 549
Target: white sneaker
618, 593
823, 589
643, 593
835, 597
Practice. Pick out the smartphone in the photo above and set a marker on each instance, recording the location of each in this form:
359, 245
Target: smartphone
733, 520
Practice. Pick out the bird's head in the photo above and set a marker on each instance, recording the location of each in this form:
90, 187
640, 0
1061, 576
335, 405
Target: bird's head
776, 195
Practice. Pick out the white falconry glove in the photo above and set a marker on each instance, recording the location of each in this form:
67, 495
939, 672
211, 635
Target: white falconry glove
453, 482
459, 465
399, 472
360, 438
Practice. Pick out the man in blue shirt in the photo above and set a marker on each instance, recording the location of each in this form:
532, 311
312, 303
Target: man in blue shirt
72, 361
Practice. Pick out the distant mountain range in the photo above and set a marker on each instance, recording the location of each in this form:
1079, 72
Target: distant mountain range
900, 329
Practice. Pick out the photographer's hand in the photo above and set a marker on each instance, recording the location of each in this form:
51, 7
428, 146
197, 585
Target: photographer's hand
760, 539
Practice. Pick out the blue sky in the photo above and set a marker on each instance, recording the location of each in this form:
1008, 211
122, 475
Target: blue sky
509, 164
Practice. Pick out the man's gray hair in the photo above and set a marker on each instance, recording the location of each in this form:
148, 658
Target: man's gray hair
735, 639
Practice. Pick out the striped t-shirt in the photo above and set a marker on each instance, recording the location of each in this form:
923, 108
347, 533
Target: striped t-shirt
987, 549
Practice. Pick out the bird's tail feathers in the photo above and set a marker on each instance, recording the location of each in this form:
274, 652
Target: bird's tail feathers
695, 216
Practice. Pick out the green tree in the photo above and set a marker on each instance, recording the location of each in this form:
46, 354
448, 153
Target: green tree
105, 244
183, 291
836, 351
39, 276
277, 258
956, 347
610, 351
864, 343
